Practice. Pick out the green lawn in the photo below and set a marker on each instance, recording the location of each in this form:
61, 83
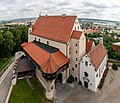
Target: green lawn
23, 93
4, 62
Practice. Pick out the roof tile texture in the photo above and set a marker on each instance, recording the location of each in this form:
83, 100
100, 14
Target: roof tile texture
55, 28
76, 34
89, 44
97, 54
49, 63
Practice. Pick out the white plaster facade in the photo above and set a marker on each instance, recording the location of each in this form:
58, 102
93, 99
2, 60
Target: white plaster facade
94, 77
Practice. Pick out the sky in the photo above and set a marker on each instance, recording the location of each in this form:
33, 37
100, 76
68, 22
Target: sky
99, 9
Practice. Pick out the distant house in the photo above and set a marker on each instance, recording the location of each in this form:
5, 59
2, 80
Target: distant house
92, 67
91, 31
116, 46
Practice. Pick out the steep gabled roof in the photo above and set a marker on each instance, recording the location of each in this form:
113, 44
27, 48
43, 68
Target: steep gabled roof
97, 54
89, 44
76, 34
55, 28
50, 62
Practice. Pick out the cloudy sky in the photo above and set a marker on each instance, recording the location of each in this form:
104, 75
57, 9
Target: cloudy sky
101, 9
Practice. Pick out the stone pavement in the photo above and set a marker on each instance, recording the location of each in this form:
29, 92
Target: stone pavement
62, 91
4, 86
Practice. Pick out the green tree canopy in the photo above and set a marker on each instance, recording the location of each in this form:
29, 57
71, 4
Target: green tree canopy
114, 66
8, 43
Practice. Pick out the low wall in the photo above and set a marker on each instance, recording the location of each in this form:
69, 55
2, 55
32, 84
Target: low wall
6, 72
18, 55
9, 93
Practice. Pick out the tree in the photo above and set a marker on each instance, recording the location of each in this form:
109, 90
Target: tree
24, 36
1, 38
8, 43
1, 44
17, 39
114, 66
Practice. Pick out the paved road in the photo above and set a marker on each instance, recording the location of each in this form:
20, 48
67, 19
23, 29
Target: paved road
110, 92
4, 87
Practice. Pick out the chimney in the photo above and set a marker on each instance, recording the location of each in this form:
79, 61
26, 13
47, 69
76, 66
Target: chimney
64, 15
40, 14
46, 15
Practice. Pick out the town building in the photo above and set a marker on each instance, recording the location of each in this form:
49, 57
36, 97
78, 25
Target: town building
91, 31
92, 67
116, 46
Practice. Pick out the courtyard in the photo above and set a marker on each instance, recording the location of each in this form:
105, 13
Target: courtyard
108, 94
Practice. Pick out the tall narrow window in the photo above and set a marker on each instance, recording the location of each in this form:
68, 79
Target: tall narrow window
76, 65
75, 28
47, 42
86, 63
76, 45
76, 59
72, 69
76, 51
69, 51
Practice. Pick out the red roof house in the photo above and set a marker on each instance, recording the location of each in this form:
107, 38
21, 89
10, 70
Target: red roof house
97, 54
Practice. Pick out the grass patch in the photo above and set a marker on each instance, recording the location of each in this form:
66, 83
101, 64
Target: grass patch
23, 93
5, 61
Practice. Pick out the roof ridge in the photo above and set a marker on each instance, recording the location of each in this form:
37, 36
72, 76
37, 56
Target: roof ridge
94, 48
49, 59
96, 55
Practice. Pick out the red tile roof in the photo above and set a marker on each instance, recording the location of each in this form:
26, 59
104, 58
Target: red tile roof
97, 54
89, 44
116, 46
55, 28
76, 34
49, 63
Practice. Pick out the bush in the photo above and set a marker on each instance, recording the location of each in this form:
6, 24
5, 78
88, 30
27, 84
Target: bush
70, 79
114, 66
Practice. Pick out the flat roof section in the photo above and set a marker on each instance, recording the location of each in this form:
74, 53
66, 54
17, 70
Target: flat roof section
46, 47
